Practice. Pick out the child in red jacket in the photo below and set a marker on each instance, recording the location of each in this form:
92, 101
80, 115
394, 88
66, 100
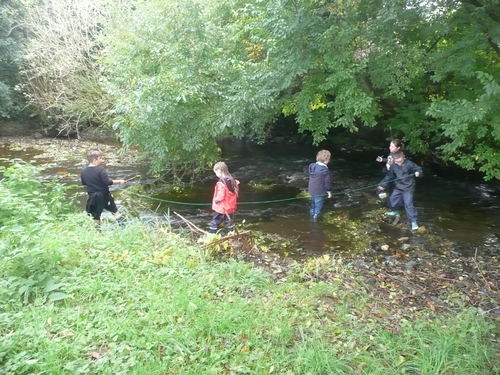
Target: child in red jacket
225, 199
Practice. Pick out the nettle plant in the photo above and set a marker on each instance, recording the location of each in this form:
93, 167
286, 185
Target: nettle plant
29, 206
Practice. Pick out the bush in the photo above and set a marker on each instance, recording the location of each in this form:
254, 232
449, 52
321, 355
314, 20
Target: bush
29, 206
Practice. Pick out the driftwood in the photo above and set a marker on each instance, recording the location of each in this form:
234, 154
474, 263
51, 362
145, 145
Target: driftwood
227, 237
237, 234
191, 225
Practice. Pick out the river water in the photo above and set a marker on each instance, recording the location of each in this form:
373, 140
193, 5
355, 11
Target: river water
460, 209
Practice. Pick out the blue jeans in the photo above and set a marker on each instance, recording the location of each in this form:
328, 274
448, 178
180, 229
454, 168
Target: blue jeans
398, 198
316, 204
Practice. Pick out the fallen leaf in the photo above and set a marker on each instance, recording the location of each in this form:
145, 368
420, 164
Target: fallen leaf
95, 355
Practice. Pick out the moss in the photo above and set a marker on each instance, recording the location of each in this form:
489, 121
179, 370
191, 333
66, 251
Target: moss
264, 184
352, 236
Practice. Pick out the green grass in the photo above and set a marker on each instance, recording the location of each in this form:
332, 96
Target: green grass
146, 301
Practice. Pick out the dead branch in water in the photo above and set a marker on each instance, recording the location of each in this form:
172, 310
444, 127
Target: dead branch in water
190, 224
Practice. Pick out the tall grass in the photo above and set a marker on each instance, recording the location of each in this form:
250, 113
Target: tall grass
141, 300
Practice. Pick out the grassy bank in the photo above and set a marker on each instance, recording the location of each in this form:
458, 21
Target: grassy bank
141, 300
145, 301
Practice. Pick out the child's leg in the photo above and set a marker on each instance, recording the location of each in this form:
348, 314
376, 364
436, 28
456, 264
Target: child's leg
411, 212
215, 222
396, 199
111, 207
318, 204
95, 206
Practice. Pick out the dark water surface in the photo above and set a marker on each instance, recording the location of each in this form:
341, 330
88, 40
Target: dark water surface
463, 210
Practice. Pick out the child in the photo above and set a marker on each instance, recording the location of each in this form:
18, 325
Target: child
95, 177
403, 171
225, 199
395, 146
320, 182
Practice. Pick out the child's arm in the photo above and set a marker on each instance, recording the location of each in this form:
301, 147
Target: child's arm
328, 184
416, 170
220, 192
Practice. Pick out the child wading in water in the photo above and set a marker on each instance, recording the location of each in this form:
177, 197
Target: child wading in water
96, 179
225, 199
320, 182
402, 172
395, 146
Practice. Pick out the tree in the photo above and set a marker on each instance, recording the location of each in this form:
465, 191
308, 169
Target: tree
61, 74
11, 55
184, 74
444, 62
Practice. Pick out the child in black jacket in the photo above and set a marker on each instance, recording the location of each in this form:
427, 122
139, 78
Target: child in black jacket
320, 182
402, 173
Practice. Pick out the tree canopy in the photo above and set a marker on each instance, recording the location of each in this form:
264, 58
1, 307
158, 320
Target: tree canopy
174, 77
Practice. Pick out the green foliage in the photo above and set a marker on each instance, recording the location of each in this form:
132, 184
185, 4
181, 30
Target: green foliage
174, 86
452, 64
203, 71
180, 75
11, 56
29, 208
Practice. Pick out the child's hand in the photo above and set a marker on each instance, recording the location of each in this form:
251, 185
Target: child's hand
379, 159
329, 195
417, 174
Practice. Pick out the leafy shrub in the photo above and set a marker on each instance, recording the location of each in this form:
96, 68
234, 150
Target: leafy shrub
29, 206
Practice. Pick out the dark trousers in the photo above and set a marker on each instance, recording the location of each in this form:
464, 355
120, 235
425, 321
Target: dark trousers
98, 202
218, 219
317, 202
399, 198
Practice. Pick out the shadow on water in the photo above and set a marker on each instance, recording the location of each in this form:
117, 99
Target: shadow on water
461, 210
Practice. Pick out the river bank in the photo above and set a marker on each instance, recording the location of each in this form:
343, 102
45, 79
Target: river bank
148, 301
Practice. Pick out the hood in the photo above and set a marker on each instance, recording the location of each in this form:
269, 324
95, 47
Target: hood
316, 168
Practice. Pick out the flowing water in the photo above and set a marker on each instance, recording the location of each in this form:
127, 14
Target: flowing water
461, 209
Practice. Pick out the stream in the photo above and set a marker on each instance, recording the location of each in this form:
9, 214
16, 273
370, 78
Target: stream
460, 209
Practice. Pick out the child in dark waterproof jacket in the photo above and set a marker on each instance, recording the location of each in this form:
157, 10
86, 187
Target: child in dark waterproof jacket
402, 173
96, 179
320, 182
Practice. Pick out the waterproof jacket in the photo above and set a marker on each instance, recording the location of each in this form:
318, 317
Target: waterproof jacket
404, 176
225, 199
96, 180
320, 179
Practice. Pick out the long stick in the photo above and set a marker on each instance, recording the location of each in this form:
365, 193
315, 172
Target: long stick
191, 224
133, 178
243, 238
479, 269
